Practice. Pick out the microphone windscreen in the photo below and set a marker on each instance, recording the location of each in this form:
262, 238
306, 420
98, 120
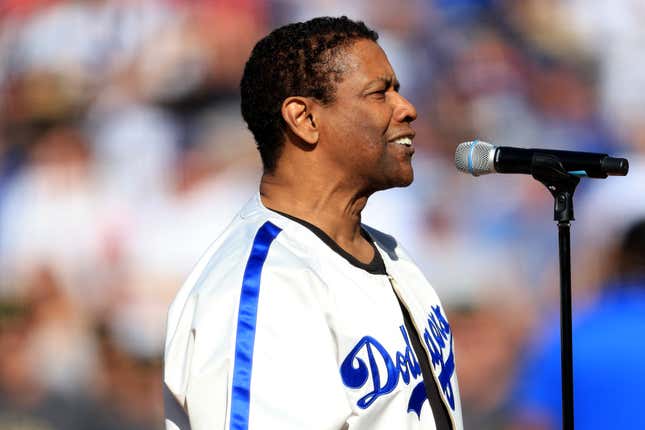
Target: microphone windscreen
475, 157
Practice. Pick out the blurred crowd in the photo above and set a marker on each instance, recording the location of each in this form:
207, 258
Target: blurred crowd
123, 155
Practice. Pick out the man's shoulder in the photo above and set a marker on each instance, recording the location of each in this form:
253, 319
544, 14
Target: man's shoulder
257, 239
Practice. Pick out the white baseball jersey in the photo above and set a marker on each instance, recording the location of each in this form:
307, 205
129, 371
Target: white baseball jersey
276, 330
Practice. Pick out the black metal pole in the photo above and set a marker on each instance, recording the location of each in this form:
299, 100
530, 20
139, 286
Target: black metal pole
562, 185
566, 338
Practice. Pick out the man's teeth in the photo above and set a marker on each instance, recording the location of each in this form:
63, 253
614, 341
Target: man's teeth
404, 141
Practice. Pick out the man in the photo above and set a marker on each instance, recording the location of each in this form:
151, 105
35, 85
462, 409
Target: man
299, 316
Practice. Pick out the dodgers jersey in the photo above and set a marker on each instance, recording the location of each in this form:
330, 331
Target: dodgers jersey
274, 329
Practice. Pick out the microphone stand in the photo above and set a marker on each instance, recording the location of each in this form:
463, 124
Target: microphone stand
561, 184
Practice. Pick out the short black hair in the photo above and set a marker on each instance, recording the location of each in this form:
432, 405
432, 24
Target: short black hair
293, 60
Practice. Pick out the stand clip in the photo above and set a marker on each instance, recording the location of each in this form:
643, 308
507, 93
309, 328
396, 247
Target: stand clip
561, 184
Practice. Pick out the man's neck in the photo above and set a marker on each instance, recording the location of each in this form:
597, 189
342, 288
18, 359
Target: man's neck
330, 207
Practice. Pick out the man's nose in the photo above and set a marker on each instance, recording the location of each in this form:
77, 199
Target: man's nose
404, 110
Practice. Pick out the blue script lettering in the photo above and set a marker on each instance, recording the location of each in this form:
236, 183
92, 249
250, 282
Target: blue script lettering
417, 399
407, 364
436, 336
355, 372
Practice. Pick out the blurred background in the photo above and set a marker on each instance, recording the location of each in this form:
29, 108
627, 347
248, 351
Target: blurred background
123, 155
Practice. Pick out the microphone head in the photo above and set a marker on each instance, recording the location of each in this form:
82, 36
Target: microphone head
475, 157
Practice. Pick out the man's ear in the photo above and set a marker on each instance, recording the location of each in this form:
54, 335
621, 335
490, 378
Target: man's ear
299, 116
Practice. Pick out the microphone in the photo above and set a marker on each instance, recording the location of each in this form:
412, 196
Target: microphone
479, 158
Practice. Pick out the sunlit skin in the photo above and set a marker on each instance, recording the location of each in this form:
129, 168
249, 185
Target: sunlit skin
336, 156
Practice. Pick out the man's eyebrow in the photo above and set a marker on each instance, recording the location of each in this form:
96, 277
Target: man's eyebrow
388, 81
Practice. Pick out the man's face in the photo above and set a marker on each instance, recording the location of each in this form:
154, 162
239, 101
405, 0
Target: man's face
366, 130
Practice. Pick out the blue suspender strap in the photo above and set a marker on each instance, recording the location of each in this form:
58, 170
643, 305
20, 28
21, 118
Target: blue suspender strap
246, 321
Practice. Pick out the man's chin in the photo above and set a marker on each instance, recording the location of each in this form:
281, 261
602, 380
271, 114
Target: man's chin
406, 178
400, 181
406, 182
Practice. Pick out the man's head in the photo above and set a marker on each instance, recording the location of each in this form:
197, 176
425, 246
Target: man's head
295, 60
